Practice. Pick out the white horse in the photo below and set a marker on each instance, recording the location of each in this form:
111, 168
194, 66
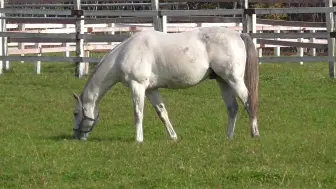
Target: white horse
151, 60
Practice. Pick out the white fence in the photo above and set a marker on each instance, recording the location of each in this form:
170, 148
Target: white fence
15, 48
82, 38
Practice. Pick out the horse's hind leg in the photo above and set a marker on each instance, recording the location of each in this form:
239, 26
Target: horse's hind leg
238, 85
156, 100
229, 99
138, 92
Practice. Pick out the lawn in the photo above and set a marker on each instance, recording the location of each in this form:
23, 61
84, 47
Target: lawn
296, 149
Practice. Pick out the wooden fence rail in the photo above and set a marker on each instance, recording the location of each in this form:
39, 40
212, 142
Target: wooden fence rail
79, 17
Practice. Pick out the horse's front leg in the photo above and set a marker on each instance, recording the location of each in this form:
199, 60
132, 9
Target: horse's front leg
138, 92
156, 100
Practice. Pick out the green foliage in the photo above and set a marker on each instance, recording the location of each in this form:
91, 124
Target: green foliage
295, 150
271, 16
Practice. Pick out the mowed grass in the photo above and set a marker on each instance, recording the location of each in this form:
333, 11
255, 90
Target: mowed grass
297, 122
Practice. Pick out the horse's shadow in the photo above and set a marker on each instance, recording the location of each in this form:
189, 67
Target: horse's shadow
63, 137
60, 137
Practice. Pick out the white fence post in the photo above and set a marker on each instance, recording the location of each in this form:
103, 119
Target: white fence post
87, 54
300, 49
38, 63
164, 24
111, 25
21, 27
331, 41
312, 40
80, 66
66, 45
260, 50
254, 27
277, 50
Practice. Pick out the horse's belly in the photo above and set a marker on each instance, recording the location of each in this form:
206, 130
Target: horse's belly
182, 65
179, 80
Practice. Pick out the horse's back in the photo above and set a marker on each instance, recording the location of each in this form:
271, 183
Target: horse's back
178, 60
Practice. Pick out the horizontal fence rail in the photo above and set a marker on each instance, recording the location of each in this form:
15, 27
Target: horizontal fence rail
149, 13
197, 1
56, 37
96, 60
310, 35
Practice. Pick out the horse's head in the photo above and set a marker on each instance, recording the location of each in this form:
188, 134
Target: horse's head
85, 118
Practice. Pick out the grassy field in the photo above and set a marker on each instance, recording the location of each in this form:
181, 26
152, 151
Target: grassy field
296, 148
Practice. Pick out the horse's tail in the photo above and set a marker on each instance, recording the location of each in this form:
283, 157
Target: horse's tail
251, 73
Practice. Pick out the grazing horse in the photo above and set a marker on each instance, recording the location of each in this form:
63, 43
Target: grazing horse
150, 60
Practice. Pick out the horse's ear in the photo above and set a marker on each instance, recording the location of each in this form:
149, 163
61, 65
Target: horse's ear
76, 97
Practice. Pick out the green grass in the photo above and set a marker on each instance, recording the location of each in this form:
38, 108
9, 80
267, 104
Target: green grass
296, 148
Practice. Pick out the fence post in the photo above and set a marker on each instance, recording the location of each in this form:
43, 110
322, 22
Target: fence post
2, 38
21, 27
87, 53
38, 63
111, 25
312, 40
331, 41
66, 44
249, 21
254, 27
300, 49
260, 50
4, 45
246, 19
277, 50
80, 66
157, 21
164, 24
87, 65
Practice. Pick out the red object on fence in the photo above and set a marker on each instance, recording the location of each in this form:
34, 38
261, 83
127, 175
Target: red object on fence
133, 29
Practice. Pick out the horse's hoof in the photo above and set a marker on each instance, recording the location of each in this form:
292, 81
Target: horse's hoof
139, 141
255, 135
174, 138
229, 137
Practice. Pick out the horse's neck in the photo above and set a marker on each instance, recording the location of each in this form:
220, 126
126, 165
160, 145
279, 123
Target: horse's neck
95, 88
102, 79
89, 95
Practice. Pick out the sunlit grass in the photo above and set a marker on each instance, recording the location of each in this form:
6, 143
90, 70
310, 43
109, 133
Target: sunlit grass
296, 148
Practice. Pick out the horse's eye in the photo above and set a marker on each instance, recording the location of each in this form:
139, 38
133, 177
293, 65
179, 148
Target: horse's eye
75, 114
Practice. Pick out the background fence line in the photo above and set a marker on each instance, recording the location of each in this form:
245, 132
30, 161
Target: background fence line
81, 31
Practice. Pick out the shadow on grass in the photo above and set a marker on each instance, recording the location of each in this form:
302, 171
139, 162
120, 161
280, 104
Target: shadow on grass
112, 139
62, 137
